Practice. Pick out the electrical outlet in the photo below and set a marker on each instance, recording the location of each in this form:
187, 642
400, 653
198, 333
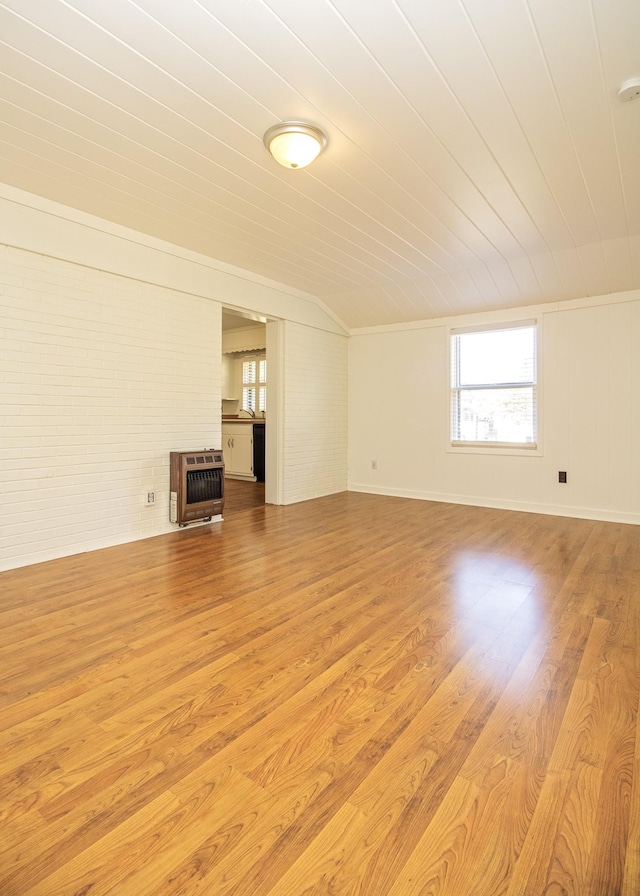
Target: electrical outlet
562, 476
374, 464
151, 497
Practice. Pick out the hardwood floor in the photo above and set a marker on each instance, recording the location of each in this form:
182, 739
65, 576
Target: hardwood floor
353, 695
240, 495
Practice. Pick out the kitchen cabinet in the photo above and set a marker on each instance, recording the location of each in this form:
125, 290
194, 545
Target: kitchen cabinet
237, 445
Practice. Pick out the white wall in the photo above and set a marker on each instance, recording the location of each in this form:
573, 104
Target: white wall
590, 376
55, 231
111, 357
314, 413
234, 344
244, 339
228, 377
102, 376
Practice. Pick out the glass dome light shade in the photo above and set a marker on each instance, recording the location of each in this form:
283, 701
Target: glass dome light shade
295, 144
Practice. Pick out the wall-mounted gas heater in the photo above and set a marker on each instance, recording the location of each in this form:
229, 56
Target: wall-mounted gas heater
197, 485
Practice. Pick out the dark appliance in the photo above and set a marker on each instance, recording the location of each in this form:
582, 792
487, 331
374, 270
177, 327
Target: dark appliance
258, 450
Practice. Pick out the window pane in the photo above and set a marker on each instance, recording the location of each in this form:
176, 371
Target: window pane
249, 399
493, 357
262, 371
262, 398
494, 415
249, 369
488, 404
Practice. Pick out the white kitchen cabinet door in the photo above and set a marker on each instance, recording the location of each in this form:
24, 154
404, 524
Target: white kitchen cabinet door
237, 445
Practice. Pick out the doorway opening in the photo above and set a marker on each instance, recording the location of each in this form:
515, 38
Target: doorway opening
249, 409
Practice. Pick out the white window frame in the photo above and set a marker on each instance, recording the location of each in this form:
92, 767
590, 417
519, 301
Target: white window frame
259, 385
487, 447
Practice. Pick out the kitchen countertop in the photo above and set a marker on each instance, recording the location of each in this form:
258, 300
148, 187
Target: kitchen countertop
226, 419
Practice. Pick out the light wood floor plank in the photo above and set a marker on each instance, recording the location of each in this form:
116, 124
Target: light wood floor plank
354, 696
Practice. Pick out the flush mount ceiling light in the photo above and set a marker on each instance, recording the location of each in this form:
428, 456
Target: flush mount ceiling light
295, 144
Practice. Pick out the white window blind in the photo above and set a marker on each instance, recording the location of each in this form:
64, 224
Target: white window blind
254, 384
494, 386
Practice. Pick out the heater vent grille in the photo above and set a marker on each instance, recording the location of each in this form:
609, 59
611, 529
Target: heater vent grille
197, 485
204, 485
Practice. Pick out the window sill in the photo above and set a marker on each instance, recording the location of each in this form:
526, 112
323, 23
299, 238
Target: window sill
494, 448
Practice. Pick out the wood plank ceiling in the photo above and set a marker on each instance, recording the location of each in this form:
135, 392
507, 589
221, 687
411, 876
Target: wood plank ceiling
479, 156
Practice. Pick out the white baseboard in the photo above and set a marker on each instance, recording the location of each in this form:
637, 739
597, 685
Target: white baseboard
585, 513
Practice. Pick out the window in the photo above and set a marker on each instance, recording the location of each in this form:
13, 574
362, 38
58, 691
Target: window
494, 386
254, 384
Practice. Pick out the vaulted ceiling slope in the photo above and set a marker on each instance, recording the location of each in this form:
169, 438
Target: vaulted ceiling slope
479, 156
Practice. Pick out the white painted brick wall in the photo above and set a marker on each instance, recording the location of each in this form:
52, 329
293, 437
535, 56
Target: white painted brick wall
315, 413
100, 377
